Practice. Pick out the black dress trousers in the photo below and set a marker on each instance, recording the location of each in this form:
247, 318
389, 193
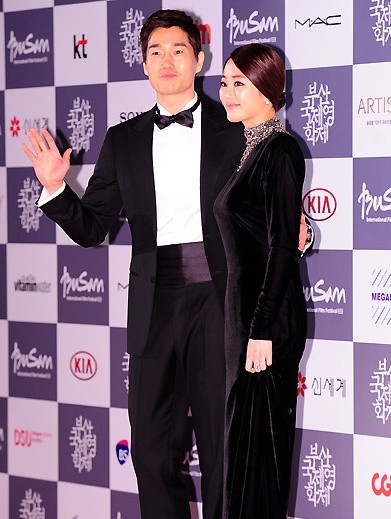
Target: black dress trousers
183, 365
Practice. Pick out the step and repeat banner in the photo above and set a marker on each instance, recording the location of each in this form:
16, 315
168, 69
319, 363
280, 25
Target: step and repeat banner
74, 67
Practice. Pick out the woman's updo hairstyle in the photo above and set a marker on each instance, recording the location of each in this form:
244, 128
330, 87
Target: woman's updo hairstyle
263, 66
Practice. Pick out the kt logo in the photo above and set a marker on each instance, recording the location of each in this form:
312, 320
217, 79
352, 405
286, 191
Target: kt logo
79, 47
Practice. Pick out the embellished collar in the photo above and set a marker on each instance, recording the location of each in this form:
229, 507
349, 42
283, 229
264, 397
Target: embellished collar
256, 134
260, 131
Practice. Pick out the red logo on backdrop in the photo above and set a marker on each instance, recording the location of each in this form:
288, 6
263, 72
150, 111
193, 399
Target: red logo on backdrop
319, 204
301, 385
381, 485
15, 127
83, 365
25, 438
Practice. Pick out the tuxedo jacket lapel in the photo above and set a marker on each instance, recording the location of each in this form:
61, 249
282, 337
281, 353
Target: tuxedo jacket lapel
140, 147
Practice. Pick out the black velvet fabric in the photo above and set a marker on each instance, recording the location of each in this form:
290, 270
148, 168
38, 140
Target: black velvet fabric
258, 212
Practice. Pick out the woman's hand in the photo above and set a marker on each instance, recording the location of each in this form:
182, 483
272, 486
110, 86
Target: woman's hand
259, 355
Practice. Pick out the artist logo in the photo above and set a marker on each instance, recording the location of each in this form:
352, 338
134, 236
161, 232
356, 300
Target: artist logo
328, 21
381, 485
83, 365
319, 204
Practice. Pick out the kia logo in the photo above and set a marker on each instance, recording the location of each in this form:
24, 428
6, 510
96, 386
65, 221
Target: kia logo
319, 204
83, 365
382, 487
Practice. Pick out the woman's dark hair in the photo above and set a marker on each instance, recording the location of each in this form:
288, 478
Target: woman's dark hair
265, 69
167, 18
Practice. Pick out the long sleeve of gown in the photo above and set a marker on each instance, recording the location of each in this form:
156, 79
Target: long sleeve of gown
281, 181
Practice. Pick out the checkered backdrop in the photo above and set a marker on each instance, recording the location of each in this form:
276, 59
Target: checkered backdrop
75, 67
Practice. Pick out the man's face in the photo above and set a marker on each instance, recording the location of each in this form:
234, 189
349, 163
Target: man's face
170, 64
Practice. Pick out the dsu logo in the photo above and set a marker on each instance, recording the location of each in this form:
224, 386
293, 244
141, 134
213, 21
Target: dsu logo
23, 437
383, 487
83, 365
319, 204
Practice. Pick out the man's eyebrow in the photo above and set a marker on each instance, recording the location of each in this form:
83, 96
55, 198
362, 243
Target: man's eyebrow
176, 44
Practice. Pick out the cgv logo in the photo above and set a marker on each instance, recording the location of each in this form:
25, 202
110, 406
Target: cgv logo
319, 204
383, 486
83, 365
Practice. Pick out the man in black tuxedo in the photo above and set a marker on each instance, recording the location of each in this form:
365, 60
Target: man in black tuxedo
165, 174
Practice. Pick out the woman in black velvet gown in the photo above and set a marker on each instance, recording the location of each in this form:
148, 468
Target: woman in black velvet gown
258, 212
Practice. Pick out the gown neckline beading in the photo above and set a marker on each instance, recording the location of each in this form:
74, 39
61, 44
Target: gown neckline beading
258, 133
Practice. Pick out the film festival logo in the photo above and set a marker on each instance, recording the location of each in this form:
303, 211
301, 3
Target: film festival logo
322, 386
191, 463
31, 506
320, 474
380, 387
130, 35
320, 294
318, 110
31, 364
380, 11
73, 286
30, 215
79, 47
375, 203
248, 29
83, 442
21, 51
125, 369
2, 439
381, 297
81, 122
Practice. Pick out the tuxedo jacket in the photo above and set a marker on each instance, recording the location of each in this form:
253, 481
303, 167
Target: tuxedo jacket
123, 180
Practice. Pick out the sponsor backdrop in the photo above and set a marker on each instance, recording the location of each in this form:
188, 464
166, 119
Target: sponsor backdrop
74, 67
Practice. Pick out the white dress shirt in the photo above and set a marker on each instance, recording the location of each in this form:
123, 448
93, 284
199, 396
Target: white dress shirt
176, 152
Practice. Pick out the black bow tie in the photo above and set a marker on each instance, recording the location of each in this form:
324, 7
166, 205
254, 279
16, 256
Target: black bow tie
185, 118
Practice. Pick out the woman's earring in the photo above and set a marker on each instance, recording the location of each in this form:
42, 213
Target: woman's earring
267, 102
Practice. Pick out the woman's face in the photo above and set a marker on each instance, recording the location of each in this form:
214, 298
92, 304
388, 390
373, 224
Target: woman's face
241, 99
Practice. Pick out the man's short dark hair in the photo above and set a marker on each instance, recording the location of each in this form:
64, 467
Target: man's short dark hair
167, 18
